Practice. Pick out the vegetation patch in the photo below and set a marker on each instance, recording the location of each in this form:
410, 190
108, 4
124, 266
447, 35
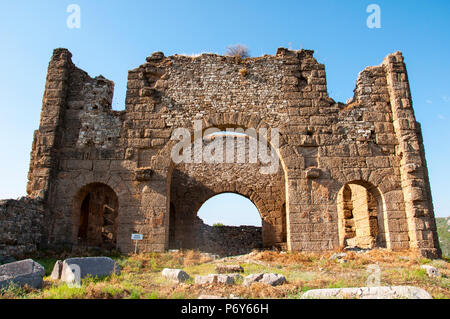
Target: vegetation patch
141, 276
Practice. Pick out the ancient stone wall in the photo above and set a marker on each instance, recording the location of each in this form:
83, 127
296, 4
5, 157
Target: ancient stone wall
21, 226
228, 240
373, 141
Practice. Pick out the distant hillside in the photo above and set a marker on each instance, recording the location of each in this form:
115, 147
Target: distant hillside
443, 226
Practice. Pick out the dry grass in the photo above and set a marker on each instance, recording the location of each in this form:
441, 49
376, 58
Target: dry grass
243, 72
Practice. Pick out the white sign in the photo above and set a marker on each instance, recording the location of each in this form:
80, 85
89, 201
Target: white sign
137, 237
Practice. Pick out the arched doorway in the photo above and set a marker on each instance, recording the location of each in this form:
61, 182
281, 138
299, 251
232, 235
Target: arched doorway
95, 216
226, 224
361, 216
235, 169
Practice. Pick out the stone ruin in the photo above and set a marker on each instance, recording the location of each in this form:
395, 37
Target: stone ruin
351, 174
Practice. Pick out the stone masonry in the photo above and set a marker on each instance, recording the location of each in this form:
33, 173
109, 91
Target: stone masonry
351, 174
228, 240
21, 226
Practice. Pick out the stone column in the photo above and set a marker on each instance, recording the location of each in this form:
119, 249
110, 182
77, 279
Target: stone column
43, 158
413, 169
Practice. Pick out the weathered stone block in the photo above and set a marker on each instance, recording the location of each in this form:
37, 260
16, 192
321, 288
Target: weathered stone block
394, 292
431, 271
269, 279
75, 269
176, 275
213, 278
21, 273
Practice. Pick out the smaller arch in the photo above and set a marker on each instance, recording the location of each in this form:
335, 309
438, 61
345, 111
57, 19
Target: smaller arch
361, 216
94, 216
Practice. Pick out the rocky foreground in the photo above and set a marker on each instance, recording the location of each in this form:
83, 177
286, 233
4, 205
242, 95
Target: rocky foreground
268, 274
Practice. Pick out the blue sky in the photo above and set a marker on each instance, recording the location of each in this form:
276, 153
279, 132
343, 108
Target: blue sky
116, 36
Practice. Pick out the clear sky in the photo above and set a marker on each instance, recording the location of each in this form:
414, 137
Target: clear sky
116, 36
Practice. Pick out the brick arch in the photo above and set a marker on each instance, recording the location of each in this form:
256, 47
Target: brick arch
233, 119
368, 216
164, 165
379, 181
115, 182
75, 190
390, 212
95, 210
192, 184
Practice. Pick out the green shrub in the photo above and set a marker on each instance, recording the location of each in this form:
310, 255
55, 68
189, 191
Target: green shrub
218, 225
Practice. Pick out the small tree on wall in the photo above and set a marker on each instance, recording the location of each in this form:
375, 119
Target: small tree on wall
238, 50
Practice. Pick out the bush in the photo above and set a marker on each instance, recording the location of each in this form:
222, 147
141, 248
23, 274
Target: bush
238, 50
218, 225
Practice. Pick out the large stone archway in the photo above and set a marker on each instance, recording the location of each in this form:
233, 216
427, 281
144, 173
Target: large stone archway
192, 184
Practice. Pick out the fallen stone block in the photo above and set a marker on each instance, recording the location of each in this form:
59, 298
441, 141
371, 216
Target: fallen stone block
224, 269
268, 279
176, 275
225, 279
252, 278
393, 292
75, 269
273, 279
431, 271
214, 278
21, 273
